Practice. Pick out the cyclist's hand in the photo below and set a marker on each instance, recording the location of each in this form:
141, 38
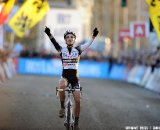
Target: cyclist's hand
47, 31
95, 32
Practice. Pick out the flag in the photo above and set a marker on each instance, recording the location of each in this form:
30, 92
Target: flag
6, 8
148, 2
1, 6
14, 10
31, 12
154, 7
156, 23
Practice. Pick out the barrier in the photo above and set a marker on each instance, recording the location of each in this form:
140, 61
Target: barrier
156, 87
7, 71
131, 75
127, 71
11, 66
39, 66
140, 74
146, 76
158, 81
54, 67
154, 81
118, 72
2, 74
93, 69
15, 64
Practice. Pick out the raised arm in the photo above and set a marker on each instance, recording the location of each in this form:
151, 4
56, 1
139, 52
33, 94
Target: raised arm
86, 45
56, 45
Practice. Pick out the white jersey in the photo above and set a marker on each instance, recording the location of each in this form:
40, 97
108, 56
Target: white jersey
70, 60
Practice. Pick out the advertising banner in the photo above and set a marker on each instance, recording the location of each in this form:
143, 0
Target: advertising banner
139, 29
54, 67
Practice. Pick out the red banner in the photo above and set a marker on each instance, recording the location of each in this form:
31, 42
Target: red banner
124, 33
139, 29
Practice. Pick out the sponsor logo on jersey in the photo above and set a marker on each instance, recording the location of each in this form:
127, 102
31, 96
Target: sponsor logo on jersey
74, 54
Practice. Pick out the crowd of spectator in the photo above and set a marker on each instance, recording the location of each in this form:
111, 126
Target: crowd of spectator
28, 53
146, 57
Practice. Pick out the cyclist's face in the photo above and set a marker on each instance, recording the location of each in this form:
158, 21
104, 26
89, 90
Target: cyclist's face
70, 39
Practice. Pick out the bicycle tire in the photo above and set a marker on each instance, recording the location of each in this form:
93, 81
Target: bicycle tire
72, 128
68, 117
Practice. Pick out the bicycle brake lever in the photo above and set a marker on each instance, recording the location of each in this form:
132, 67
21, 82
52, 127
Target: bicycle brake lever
81, 92
57, 91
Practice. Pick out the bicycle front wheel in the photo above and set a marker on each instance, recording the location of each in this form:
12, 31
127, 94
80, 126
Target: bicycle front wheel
68, 126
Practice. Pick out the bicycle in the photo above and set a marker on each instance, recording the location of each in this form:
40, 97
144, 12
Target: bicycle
69, 116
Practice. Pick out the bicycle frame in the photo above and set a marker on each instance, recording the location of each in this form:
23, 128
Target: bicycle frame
69, 117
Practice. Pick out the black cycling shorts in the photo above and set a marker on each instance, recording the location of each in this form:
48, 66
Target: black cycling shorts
74, 83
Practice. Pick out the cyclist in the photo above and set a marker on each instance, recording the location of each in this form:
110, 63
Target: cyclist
70, 59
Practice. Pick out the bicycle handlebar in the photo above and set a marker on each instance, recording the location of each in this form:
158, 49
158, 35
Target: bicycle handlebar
67, 89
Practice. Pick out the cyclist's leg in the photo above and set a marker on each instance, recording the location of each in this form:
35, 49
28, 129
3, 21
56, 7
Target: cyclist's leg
62, 84
76, 95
